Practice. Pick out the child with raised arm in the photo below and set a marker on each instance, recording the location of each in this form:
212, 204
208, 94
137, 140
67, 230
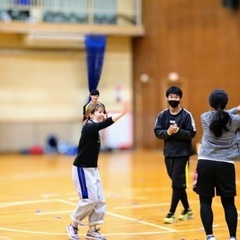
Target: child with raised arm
86, 176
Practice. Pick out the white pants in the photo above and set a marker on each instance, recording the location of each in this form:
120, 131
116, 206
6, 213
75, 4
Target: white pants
92, 203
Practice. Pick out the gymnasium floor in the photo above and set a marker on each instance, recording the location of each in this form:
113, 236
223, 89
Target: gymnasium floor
37, 198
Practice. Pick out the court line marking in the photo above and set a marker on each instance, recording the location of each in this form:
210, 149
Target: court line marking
166, 230
140, 221
30, 175
107, 234
5, 238
34, 232
70, 203
148, 205
10, 204
128, 218
50, 213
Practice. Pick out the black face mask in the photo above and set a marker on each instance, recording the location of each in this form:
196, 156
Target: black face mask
173, 103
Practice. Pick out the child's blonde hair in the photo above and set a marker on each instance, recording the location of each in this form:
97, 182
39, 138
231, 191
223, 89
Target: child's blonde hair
93, 108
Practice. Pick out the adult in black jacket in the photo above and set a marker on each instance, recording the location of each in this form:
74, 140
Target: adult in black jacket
176, 127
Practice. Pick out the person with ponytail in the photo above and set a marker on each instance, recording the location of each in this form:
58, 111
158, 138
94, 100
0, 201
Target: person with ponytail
215, 172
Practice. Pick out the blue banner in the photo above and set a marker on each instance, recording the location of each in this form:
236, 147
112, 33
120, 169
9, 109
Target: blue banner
95, 48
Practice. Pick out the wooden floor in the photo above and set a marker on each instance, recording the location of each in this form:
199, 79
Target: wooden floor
37, 197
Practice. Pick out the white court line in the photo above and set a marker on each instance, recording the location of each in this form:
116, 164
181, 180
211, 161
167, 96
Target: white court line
140, 221
148, 205
49, 213
106, 234
31, 176
121, 216
67, 202
128, 218
32, 232
165, 230
115, 215
9, 204
5, 238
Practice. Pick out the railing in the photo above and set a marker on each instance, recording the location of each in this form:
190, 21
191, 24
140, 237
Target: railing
112, 12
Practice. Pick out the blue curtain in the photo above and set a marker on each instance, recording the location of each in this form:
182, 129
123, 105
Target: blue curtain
24, 2
95, 48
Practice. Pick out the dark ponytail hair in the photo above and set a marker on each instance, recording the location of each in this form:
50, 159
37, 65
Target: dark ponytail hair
218, 100
220, 122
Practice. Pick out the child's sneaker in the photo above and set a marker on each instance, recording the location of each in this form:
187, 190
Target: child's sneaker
232, 238
210, 237
186, 214
169, 218
72, 232
96, 235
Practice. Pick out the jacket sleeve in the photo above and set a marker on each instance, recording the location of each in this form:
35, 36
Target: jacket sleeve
188, 131
106, 123
94, 127
159, 130
232, 110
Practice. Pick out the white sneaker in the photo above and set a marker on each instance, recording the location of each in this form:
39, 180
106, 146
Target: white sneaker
96, 235
72, 232
210, 238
